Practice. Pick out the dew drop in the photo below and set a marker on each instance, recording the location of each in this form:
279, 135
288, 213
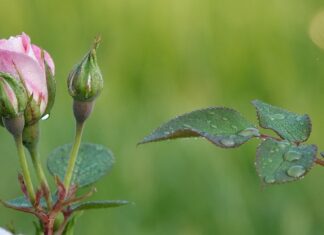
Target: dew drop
283, 144
277, 116
249, 132
296, 171
269, 179
227, 142
45, 117
187, 126
299, 118
234, 127
292, 155
166, 133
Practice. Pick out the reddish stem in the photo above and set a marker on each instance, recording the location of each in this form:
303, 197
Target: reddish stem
49, 226
264, 136
319, 162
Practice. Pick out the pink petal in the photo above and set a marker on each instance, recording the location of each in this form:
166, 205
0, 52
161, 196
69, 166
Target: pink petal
25, 42
31, 72
20, 44
12, 44
48, 58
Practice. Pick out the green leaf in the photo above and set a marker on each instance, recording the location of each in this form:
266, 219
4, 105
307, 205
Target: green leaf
290, 126
282, 161
93, 162
224, 127
23, 202
98, 205
20, 202
69, 229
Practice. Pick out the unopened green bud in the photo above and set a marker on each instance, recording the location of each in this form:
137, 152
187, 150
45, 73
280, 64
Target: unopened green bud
85, 80
31, 136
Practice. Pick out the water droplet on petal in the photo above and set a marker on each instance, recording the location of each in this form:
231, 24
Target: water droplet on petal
269, 179
249, 132
45, 117
227, 142
296, 171
292, 155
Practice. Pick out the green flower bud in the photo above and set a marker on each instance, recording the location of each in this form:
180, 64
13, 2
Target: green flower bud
13, 96
85, 80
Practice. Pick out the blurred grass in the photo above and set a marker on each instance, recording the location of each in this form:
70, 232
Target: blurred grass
162, 58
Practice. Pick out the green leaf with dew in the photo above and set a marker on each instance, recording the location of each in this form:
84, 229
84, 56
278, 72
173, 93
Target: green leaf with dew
223, 127
93, 162
290, 126
281, 161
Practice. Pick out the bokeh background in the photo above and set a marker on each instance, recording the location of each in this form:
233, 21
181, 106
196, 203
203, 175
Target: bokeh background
161, 58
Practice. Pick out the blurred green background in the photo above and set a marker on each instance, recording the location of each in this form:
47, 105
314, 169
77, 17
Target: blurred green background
161, 58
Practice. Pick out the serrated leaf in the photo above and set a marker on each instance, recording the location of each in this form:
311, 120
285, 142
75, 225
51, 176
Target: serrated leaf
224, 127
98, 204
93, 162
282, 161
290, 126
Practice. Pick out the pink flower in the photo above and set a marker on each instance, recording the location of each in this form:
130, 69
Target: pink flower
21, 59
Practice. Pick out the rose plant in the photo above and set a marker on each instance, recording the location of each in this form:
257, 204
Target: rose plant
27, 94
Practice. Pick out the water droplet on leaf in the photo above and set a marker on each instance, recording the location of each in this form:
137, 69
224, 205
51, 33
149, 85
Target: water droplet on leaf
227, 142
234, 127
249, 132
269, 179
283, 144
187, 126
299, 118
296, 171
292, 155
277, 116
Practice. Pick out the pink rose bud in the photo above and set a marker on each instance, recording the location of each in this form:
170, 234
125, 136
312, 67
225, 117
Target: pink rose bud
35, 68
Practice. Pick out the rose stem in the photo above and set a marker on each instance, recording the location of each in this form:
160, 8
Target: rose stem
41, 175
73, 154
24, 167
